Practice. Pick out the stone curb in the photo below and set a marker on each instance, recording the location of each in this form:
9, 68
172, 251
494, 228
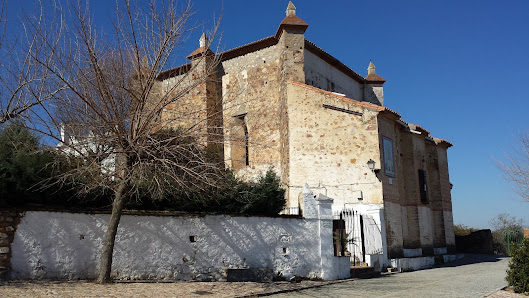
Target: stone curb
495, 291
294, 290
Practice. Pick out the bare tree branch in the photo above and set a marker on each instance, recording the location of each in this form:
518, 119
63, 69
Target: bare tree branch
516, 169
100, 98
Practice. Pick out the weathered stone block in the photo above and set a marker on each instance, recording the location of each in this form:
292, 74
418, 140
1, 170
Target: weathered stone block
4, 250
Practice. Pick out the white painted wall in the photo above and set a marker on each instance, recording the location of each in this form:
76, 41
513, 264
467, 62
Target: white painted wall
67, 246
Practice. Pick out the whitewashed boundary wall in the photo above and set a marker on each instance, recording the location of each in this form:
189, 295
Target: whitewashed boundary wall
58, 245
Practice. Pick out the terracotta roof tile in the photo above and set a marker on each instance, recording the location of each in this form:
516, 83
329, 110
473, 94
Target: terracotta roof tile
374, 78
422, 129
441, 141
249, 48
182, 69
293, 20
386, 109
342, 98
199, 52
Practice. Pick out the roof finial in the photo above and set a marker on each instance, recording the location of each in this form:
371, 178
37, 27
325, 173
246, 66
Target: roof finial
203, 40
291, 9
371, 68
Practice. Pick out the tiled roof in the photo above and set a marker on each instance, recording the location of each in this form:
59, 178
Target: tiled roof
198, 52
441, 141
372, 107
182, 69
293, 22
421, 129
342, 98
390, 111
374, 78
249, 48
271, 41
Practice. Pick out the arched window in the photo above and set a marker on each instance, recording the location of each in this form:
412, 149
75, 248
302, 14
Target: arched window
239, 143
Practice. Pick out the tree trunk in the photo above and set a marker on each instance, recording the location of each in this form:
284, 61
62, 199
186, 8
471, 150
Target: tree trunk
105, 263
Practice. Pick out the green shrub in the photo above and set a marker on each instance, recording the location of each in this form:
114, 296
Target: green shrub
518, 272
25, 164
263, 197
462, 230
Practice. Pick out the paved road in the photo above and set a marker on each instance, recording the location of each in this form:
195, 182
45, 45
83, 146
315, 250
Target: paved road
472, 276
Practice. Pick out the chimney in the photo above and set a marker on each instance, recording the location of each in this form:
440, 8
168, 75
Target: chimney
373, 91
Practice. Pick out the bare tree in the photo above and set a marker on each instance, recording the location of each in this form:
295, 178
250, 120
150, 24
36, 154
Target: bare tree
504, 220
107, 107
506, 229
23, 82
516, 169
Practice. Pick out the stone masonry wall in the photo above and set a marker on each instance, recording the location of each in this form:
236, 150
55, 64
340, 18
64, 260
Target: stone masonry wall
330, 148
291, 45
190, 110
250, 86
8, 225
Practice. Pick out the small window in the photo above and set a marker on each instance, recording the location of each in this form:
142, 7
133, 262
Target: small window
246, 145
240, 147
423, 187
387, 150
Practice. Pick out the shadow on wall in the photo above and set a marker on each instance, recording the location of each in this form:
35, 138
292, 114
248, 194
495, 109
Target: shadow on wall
56, 247
52, 245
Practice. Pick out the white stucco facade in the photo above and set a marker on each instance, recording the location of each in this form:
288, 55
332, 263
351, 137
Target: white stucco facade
55, 245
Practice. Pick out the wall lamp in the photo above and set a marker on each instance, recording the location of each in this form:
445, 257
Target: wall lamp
371, 164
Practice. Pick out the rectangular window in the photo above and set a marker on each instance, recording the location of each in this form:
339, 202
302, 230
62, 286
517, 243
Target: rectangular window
389, 164
423, 188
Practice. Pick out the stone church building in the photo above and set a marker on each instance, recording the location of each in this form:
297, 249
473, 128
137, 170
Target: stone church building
283, 102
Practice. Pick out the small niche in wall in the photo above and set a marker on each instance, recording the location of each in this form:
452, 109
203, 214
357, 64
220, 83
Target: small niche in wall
285, 251
193, 239
358, 194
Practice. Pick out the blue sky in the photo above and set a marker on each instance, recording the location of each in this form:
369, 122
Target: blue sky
460, 69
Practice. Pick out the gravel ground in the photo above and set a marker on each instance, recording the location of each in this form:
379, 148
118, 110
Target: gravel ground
472, 276
146, 289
